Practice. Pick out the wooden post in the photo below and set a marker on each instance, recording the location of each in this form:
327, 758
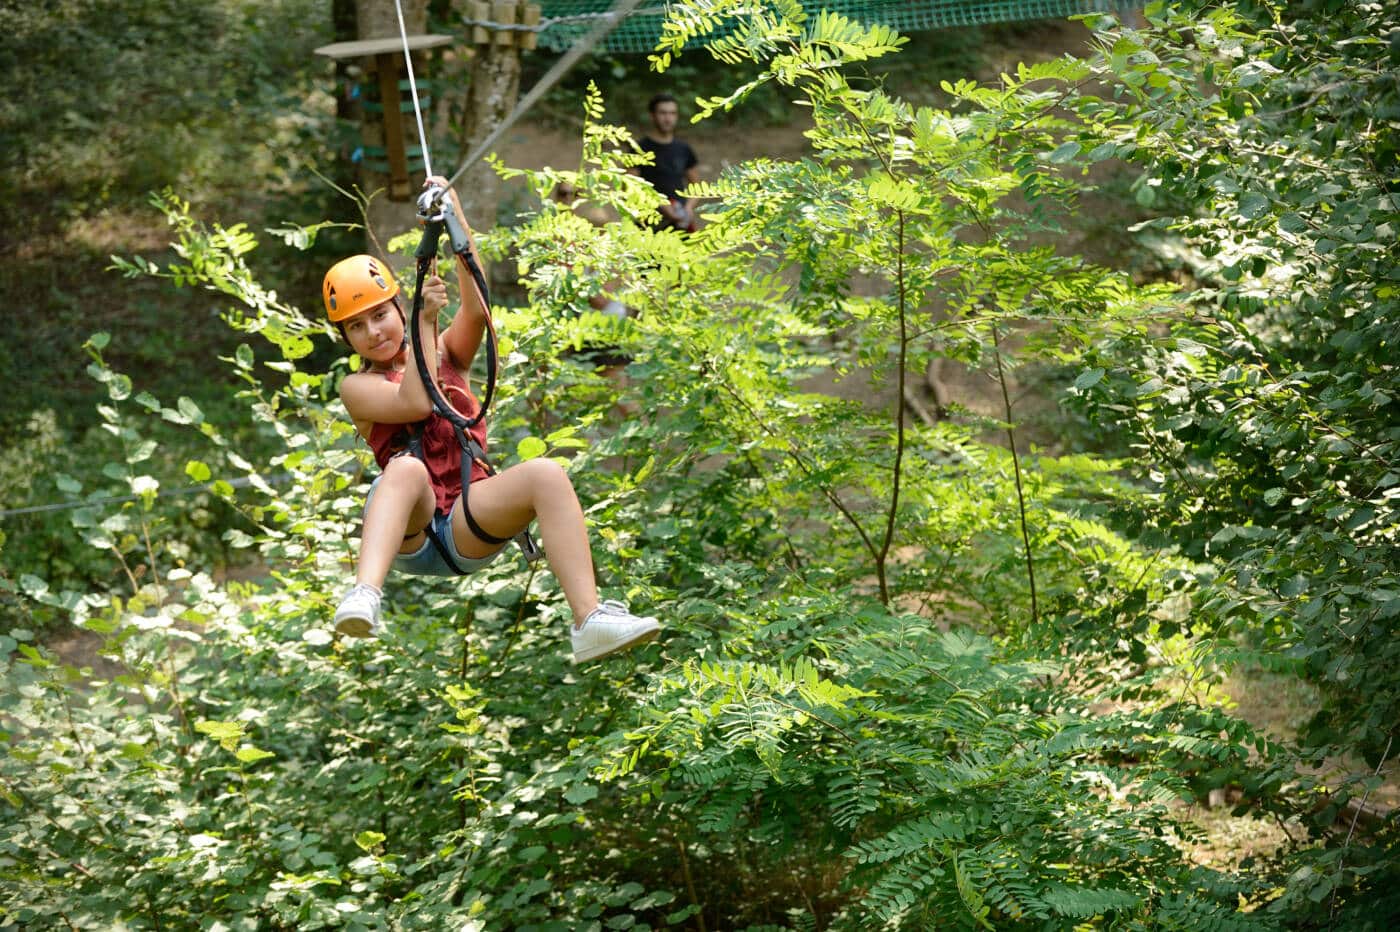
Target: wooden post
379, 52
529, 16
344, 172
503, 12
394, 210
480, 10
387, 64
492, 92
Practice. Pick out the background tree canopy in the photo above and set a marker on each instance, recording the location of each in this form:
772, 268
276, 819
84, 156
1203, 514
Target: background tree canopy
915, 674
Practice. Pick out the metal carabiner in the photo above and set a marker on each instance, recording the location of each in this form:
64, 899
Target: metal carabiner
430, 204
434, 207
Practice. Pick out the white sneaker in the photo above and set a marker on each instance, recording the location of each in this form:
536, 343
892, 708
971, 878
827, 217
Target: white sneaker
358, 615
609, 628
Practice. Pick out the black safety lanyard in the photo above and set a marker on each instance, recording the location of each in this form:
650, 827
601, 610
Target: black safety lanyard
472, 452
436, 212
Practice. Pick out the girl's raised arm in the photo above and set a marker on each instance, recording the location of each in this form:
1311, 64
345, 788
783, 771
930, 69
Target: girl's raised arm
371, 398
462, 338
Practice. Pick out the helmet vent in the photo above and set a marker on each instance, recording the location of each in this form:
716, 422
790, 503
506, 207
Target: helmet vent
375, 274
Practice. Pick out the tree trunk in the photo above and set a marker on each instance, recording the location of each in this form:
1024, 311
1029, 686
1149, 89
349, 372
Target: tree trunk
378, 18
492, 94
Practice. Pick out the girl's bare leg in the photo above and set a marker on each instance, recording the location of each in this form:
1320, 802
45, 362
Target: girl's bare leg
403, 500
506, 503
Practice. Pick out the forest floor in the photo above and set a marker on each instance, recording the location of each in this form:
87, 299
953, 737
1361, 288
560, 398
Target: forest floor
66, 262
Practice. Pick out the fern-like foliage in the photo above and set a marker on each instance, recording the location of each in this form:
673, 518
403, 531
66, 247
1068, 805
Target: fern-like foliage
951, 797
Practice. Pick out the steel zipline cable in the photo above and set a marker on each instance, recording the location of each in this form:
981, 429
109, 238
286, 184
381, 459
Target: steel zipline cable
241, 482
439, 214
413, 88
601, 28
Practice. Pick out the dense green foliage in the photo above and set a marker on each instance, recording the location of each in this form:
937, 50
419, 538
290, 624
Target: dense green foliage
913, 676
1267, 421
1268, 417
224, 102
111, 98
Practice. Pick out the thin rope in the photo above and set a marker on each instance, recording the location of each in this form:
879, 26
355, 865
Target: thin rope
238, 483
604, 25
413, 88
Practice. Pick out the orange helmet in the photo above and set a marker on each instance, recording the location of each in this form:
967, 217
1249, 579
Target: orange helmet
354, 285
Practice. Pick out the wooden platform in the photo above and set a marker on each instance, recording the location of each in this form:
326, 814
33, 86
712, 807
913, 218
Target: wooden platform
387, 45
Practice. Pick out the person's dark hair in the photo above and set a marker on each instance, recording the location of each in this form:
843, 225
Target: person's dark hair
660, 99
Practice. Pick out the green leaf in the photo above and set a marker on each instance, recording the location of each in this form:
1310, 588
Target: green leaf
1083, 903
251, 755
1253, 205
33, 586
190, 410
119, 387
529, 448
228, 734
197, 471
1065, 152
142, 452
892, 192
97, 537
368, 840
1088, 379
581, 793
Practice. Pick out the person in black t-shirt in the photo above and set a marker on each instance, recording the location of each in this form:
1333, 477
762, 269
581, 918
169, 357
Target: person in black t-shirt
674, 166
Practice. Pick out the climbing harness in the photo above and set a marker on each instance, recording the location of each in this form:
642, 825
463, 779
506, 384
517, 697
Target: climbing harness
472, 452
436, 213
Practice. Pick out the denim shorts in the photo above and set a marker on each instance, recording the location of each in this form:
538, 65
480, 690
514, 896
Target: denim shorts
427, 560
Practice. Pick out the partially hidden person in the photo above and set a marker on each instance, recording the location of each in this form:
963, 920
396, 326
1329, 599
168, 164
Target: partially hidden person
674, 164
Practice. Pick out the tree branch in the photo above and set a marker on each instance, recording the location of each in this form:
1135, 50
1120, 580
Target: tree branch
1016, 464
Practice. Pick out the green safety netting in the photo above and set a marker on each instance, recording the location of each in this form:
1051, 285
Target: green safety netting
639, 31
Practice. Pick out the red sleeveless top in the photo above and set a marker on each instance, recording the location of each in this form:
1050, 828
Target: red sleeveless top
441, 452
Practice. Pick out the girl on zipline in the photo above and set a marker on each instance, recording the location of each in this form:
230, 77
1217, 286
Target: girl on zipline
416, 518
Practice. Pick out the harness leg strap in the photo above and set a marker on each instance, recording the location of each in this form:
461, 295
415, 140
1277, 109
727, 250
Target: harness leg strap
473, 453
476, 528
